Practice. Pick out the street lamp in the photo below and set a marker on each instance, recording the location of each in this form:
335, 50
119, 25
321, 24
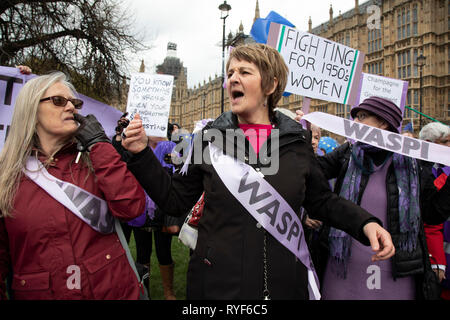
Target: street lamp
420, 63
203, 109
224, 8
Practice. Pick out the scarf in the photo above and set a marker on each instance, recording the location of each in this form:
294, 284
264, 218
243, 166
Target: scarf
406, 173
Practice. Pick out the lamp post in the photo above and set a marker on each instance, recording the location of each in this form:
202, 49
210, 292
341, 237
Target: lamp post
420, 63
203, 109
224, 8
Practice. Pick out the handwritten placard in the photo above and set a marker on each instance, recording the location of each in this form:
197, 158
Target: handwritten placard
388, 88
150, 96
318, 68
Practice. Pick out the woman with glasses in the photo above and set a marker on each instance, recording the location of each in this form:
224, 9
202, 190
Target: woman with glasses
57, 209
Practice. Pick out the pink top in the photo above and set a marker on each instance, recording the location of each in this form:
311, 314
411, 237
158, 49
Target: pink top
256, 134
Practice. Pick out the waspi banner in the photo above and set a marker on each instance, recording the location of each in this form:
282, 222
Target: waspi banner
383, 139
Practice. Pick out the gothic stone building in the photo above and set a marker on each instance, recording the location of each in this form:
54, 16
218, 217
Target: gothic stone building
399, 31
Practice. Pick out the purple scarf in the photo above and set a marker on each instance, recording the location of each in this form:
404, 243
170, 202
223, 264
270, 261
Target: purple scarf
406, 173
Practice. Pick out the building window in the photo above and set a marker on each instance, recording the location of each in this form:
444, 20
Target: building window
414, 20
322, 108
376, 68
413, 104
340, 110
374, 40
404, 64
403, 24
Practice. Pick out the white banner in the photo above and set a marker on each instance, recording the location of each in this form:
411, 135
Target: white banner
150, 96
383, 139
318, 68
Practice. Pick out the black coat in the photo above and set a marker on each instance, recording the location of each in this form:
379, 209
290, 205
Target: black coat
228, 260
435, 203
415, 263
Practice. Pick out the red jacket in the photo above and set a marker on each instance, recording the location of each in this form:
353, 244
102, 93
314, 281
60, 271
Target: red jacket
435, 243
49, 247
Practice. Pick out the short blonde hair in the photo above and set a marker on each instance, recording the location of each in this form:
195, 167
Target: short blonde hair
270, 64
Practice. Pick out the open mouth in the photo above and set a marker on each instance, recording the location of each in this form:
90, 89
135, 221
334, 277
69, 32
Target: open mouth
236, 94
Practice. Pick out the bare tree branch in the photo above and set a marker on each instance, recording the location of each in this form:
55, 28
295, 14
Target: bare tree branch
89, 39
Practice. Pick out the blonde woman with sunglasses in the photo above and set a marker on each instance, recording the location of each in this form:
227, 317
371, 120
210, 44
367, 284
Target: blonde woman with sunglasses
53, 252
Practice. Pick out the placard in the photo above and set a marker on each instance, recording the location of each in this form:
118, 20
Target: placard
11, 81
150, 96
384, 87
318, 68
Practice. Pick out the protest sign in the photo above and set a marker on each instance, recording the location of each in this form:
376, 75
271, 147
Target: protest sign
379, 86
318, 68
11, 81
387, 140
384, 87
150, 96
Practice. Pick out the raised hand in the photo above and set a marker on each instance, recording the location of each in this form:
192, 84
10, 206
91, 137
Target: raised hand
134, 138
299, 115
89, 132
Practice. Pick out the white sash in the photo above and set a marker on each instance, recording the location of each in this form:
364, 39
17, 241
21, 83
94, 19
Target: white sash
387, 140
86, 206
267, 206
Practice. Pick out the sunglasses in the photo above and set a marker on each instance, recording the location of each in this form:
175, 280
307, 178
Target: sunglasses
62, 102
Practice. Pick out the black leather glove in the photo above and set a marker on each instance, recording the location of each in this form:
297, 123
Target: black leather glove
89, 132
122, 123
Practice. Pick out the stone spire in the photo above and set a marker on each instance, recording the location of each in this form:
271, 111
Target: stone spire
331, 14
309, 25
356, 7
257, 16
142, 67
241, 28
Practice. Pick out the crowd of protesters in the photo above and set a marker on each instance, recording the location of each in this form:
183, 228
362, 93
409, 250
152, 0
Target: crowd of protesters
292, 216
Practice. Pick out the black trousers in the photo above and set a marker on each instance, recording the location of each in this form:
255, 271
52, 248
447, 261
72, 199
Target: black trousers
143, 238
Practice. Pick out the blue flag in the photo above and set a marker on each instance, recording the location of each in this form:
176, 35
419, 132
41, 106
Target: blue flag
260, 29
408, 127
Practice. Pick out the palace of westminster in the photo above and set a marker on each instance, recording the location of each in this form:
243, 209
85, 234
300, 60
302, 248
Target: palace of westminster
407, 29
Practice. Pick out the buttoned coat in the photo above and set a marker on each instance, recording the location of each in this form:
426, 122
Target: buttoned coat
54, 254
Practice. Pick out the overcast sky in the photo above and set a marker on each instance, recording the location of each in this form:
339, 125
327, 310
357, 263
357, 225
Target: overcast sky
195, 26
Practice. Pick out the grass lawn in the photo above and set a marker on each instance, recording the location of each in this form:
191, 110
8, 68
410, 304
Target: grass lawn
180, 256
